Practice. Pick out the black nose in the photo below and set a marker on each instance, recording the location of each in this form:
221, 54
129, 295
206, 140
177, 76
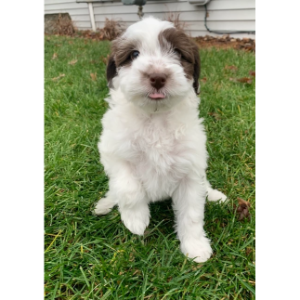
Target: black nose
158, 80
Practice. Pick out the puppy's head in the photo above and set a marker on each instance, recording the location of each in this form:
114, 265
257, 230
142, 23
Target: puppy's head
154, 64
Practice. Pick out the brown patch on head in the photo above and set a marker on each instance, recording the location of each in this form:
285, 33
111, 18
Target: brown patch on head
172, 39
122, 49
120, 56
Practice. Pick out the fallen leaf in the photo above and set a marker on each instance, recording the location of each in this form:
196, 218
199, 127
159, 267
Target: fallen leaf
252, 73
215, 115
60, 76
243, 202
94, 76
72, 62
233, 68
242, 209
243, 80
105, 59
54, 56
70, 42
136, 272
204, 79
248, 251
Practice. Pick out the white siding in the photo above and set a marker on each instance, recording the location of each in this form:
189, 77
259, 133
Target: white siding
232, 15
79, 12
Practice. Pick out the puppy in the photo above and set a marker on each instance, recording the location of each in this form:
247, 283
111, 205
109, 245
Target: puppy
152, 145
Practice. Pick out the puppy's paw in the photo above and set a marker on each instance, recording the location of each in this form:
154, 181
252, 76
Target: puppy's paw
215, 195
135, 220
104, 206
199, 249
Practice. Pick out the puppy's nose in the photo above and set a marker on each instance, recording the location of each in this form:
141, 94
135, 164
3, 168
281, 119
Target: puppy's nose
158, 80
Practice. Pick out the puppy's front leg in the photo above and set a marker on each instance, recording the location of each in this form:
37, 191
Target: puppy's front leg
188, 203
127, 192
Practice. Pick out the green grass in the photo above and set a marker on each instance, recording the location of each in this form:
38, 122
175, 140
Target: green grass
88, 257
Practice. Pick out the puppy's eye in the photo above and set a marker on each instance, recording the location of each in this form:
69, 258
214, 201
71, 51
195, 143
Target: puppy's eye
134, 54
177, 52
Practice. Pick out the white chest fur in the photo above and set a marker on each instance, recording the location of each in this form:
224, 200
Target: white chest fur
161, 148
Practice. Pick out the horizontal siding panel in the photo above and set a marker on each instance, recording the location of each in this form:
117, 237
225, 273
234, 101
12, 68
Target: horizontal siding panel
72, 13
148, 8
119, 3
50, 2
230, 4
83, 24
81, 18
71, 5
195, 33
227, 15
235, 15
220, 26
118, 8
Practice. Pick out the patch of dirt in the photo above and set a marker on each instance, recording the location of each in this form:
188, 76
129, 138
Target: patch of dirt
225, 42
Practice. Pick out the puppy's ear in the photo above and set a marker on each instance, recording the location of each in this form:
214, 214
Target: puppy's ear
189, 52
196, 74
111, 70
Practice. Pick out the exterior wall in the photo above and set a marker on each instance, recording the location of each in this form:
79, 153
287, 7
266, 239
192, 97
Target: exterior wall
233, 15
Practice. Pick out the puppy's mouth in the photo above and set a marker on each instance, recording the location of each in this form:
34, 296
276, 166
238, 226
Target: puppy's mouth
156, 96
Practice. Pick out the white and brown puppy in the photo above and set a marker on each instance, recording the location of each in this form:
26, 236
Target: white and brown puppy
153, 143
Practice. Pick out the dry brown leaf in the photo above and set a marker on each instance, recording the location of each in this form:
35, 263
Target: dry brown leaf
248, 251
243, 80
215, 115
72, 62
242, 210
105, 59
204, 79
94, 76
233, 68
54, 56
243, 202
58, 77
136, 272
252, 73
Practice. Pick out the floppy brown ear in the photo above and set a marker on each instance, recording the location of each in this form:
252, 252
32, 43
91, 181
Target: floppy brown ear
196, 74
188, 50
111, 70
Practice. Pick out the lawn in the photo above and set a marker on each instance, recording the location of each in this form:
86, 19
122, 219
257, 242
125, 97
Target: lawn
89, 257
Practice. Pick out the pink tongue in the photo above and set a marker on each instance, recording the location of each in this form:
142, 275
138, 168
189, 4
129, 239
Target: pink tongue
156, 96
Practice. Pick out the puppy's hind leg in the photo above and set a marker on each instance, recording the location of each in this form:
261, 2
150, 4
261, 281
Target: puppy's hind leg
214, 195
104, 205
